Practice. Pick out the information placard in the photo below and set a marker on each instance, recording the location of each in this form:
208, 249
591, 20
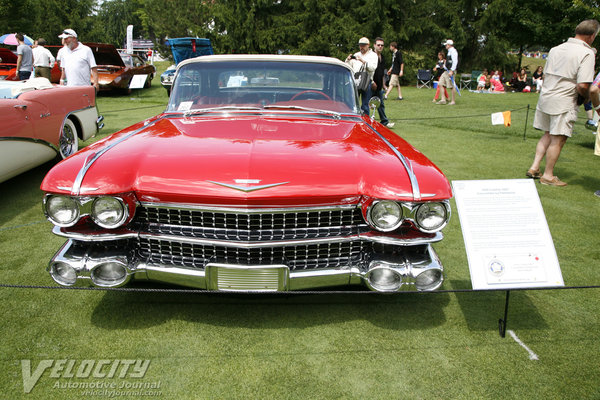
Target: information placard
138, 81
506, 235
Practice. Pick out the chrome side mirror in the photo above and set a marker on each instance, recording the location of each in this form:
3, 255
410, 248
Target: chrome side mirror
374, 104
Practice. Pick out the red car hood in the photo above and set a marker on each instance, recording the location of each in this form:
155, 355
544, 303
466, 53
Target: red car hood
253, 161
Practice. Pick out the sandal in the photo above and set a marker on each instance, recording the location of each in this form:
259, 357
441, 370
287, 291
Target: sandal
533, 174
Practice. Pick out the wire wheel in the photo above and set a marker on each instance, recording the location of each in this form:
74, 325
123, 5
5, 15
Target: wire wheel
68, 142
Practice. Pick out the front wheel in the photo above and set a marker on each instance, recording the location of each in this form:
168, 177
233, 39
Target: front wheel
68, 142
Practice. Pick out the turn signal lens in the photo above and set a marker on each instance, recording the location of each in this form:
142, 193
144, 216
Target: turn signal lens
63, 274
430, 279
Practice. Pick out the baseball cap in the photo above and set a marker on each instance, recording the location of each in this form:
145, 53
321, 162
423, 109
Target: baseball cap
363, 40
448, 42
67, 33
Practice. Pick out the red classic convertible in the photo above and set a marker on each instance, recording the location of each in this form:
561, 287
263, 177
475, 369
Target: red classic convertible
40, 121
261, 175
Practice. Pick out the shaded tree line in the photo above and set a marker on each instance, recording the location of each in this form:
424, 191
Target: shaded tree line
484, 31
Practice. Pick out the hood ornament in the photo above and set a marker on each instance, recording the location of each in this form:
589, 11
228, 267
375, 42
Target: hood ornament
245, 185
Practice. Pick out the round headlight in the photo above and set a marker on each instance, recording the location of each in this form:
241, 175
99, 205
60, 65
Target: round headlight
431, 217
62, 210
386, 215
108, 212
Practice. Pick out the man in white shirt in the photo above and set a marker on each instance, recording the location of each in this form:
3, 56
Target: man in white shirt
568, 73
77, 62
367, 58
447, 78
43, 60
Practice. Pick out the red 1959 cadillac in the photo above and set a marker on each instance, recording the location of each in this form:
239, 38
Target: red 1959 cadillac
261, 175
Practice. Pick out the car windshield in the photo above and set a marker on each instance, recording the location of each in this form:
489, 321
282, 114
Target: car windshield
127, 60
206, 86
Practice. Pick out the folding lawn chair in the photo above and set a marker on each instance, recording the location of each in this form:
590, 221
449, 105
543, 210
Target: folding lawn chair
465, 81
424, 78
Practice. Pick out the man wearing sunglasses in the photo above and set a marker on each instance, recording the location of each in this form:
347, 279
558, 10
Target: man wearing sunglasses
77, 62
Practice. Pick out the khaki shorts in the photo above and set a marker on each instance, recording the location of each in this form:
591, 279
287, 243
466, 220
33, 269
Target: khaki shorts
561, 124
394, 81
446, 81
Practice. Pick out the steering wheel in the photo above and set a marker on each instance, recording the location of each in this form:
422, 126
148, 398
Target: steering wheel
310, 91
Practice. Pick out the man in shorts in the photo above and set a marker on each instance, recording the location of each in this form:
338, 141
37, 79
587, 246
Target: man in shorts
595, 98
568, 73
447, 78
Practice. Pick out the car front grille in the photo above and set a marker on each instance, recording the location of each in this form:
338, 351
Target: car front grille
250, 226
306, 238
296, 257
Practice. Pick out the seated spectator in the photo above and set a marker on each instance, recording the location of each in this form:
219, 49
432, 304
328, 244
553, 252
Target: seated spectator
482, 80
538, 78
520, 81
495, 84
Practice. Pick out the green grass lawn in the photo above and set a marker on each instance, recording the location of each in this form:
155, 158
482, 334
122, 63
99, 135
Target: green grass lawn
408, 346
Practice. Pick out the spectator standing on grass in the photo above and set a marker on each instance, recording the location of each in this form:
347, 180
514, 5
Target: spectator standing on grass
568, 73
439, 70
366, 58
595, 98
482, 80
77, 62
447, 78
24, 58
43, 60
377, 85
395, 71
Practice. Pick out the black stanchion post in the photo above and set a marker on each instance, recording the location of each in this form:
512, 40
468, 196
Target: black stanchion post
502, 322
526, 121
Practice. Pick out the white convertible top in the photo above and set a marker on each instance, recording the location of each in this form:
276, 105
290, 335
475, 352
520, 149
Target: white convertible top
12, 89
264, 57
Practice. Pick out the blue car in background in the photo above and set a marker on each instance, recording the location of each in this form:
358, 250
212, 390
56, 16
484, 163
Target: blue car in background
182, 49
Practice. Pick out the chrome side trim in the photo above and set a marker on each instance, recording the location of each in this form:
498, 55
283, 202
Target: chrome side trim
91, 159
407, 165
98, 237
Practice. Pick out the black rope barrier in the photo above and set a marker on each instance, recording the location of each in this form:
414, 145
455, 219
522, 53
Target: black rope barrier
459, 116
286, 293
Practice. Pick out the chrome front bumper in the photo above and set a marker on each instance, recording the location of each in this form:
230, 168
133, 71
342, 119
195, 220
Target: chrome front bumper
417, 268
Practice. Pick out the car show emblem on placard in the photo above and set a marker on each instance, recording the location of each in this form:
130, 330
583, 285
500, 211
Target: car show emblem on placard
244, 185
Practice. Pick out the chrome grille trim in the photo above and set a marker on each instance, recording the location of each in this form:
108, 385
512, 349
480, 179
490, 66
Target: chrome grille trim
256, 225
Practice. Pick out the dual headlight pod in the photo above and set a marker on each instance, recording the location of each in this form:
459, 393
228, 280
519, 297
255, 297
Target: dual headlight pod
106, 211
388, 215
